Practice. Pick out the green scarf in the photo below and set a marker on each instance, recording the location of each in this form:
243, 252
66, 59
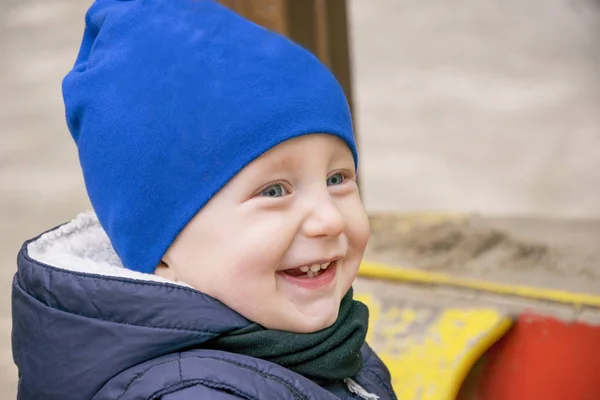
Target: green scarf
331, 354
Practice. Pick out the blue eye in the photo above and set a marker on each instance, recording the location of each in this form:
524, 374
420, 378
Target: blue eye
274, 191
335, 179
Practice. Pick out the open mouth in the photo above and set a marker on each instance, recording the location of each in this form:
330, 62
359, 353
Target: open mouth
308, 271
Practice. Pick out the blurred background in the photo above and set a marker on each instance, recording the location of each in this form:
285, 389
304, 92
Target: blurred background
469, 106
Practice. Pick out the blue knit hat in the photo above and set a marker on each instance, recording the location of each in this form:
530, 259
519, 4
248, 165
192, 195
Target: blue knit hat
169, 99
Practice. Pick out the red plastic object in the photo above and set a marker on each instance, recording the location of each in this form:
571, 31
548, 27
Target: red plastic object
542, 358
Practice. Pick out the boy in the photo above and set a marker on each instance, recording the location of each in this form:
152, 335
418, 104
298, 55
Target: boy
220, 162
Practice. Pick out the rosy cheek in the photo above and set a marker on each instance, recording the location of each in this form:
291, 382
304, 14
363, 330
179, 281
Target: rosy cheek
256, 264
359, 229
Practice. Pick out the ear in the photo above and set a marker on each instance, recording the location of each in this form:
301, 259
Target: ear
164, 271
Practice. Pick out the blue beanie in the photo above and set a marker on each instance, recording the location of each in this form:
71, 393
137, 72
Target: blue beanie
169, 99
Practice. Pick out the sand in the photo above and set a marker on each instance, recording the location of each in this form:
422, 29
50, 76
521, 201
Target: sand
541, 252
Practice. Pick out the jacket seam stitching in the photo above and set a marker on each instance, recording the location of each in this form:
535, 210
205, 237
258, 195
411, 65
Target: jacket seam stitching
140, 374
274, 378
205, 382
180, 373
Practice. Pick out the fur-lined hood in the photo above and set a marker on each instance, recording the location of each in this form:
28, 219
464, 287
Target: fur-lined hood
85, 327
79, 317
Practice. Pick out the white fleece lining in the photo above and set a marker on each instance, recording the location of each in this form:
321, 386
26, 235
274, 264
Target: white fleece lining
83, 246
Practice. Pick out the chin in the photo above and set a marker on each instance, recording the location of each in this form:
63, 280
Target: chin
301, 323
313, 323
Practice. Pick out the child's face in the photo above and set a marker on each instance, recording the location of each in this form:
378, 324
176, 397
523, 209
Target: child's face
295, 206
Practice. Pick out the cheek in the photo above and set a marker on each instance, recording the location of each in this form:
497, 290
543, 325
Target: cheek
250, 253
264, 241
357, 233
358, 228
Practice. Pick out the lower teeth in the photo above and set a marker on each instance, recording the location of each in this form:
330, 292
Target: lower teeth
312, 274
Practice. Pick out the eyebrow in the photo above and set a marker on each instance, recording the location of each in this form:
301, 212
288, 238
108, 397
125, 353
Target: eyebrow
290, 161
340, 154
280, 162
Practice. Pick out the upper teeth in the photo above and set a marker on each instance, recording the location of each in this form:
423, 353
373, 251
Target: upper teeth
314, 267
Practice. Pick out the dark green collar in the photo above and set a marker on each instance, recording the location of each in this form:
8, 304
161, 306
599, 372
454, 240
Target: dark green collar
331, 354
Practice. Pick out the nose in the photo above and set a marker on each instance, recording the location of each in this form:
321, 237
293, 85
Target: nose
324, 219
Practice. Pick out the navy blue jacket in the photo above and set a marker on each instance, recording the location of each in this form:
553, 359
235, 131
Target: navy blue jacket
86, 328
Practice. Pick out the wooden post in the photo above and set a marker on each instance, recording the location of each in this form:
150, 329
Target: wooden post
272, 14
320, 26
